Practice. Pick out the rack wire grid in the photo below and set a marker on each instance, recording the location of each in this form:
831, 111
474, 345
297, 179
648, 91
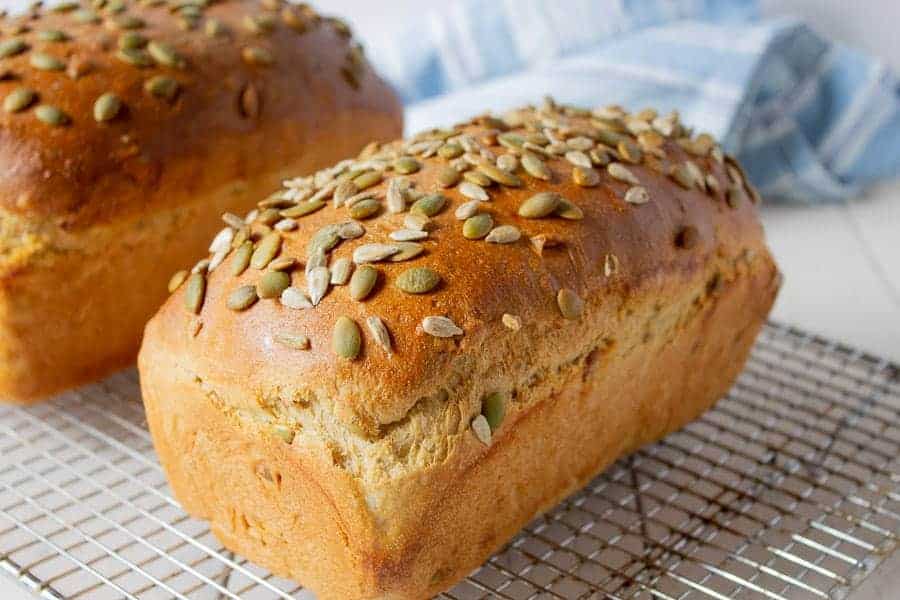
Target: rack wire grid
788, 488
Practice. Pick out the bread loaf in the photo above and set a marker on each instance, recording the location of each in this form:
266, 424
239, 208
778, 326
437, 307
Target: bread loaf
126, 129
407, 357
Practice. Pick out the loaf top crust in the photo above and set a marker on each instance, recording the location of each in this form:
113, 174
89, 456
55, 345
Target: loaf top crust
116, 107
633, 205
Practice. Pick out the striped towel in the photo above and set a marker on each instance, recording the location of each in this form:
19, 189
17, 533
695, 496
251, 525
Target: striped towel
811, 120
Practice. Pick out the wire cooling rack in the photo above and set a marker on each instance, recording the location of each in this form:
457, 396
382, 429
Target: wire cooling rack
789, 488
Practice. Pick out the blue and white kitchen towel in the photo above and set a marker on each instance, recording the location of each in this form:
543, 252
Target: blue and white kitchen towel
811, 120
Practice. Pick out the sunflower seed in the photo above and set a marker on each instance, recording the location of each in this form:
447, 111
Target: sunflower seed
696, 174
365, 209
285, 263
273, 283
379, 332
682, 176
508, 163
202, 266
232, 220
241, 259
482, 429
395, 196
637, 195
478, 178
441, 327
734, 196
12, 47
340, 271
473, 191
535, 167
368, 253
315, 260
429, 205
580, 143
579, 159
19, 99
504, 234
540, 205
610, 265
512, 322
51, 115
222, 240
477, 226
408, 235
418, 280
195, 292
620, 172
629, 151
417, 222
176, 280
269, 217
242, 298
256, 56
346, 339
291, 340
513, 141
294, 297
162, 87
267, 249
712, 183
350, 230
448, 177
408, 250
493, 407
585, 177
467, 210
570, 305
324, 239
317, 282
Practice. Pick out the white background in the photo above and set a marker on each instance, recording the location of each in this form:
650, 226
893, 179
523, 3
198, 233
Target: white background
841, 263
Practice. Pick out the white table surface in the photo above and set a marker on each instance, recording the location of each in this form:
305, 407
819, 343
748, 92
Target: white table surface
841, 263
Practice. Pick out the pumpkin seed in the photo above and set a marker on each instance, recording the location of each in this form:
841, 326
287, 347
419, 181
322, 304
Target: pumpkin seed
579, 159
478, 178
86, 16
450, 151
367, 180
317, 282
407, 251
166, 55
51, 115
293, 297
408, 235
417, 222
46, 62
511, 322
324, 239
467, 210
535, 167
346, 339
132, 39
379, 332
441, 327
712, 184
107, 107
302, 209
610, 265
540, 205
499, 175
213, 28
256, 56
585, 177
477, 226
448, 177
267, 249
482, 429
126, 22
285, 263
269, 217
504, 234
12, 47
241, 259
195, 292
368, 253
637, 195
362, 282
429, 205
176, 280
272, 283
19, 99
340, 271
493, 407
137, 57
293, 19
259, 24
350, 230
696, 174
570, 305
163, 87
407, 165
569, 211
52, 35
242, 298
418, 280
473, 191
682, 176
629, 151
292, 340
365, 209
620, 172
580, 143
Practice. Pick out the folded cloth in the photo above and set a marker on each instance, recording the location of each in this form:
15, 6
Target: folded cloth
811, 120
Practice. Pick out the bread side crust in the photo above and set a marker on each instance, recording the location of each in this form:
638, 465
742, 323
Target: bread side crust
655, 368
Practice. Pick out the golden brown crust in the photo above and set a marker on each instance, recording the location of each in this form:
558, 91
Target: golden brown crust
95, 216
674, 291
154, 152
